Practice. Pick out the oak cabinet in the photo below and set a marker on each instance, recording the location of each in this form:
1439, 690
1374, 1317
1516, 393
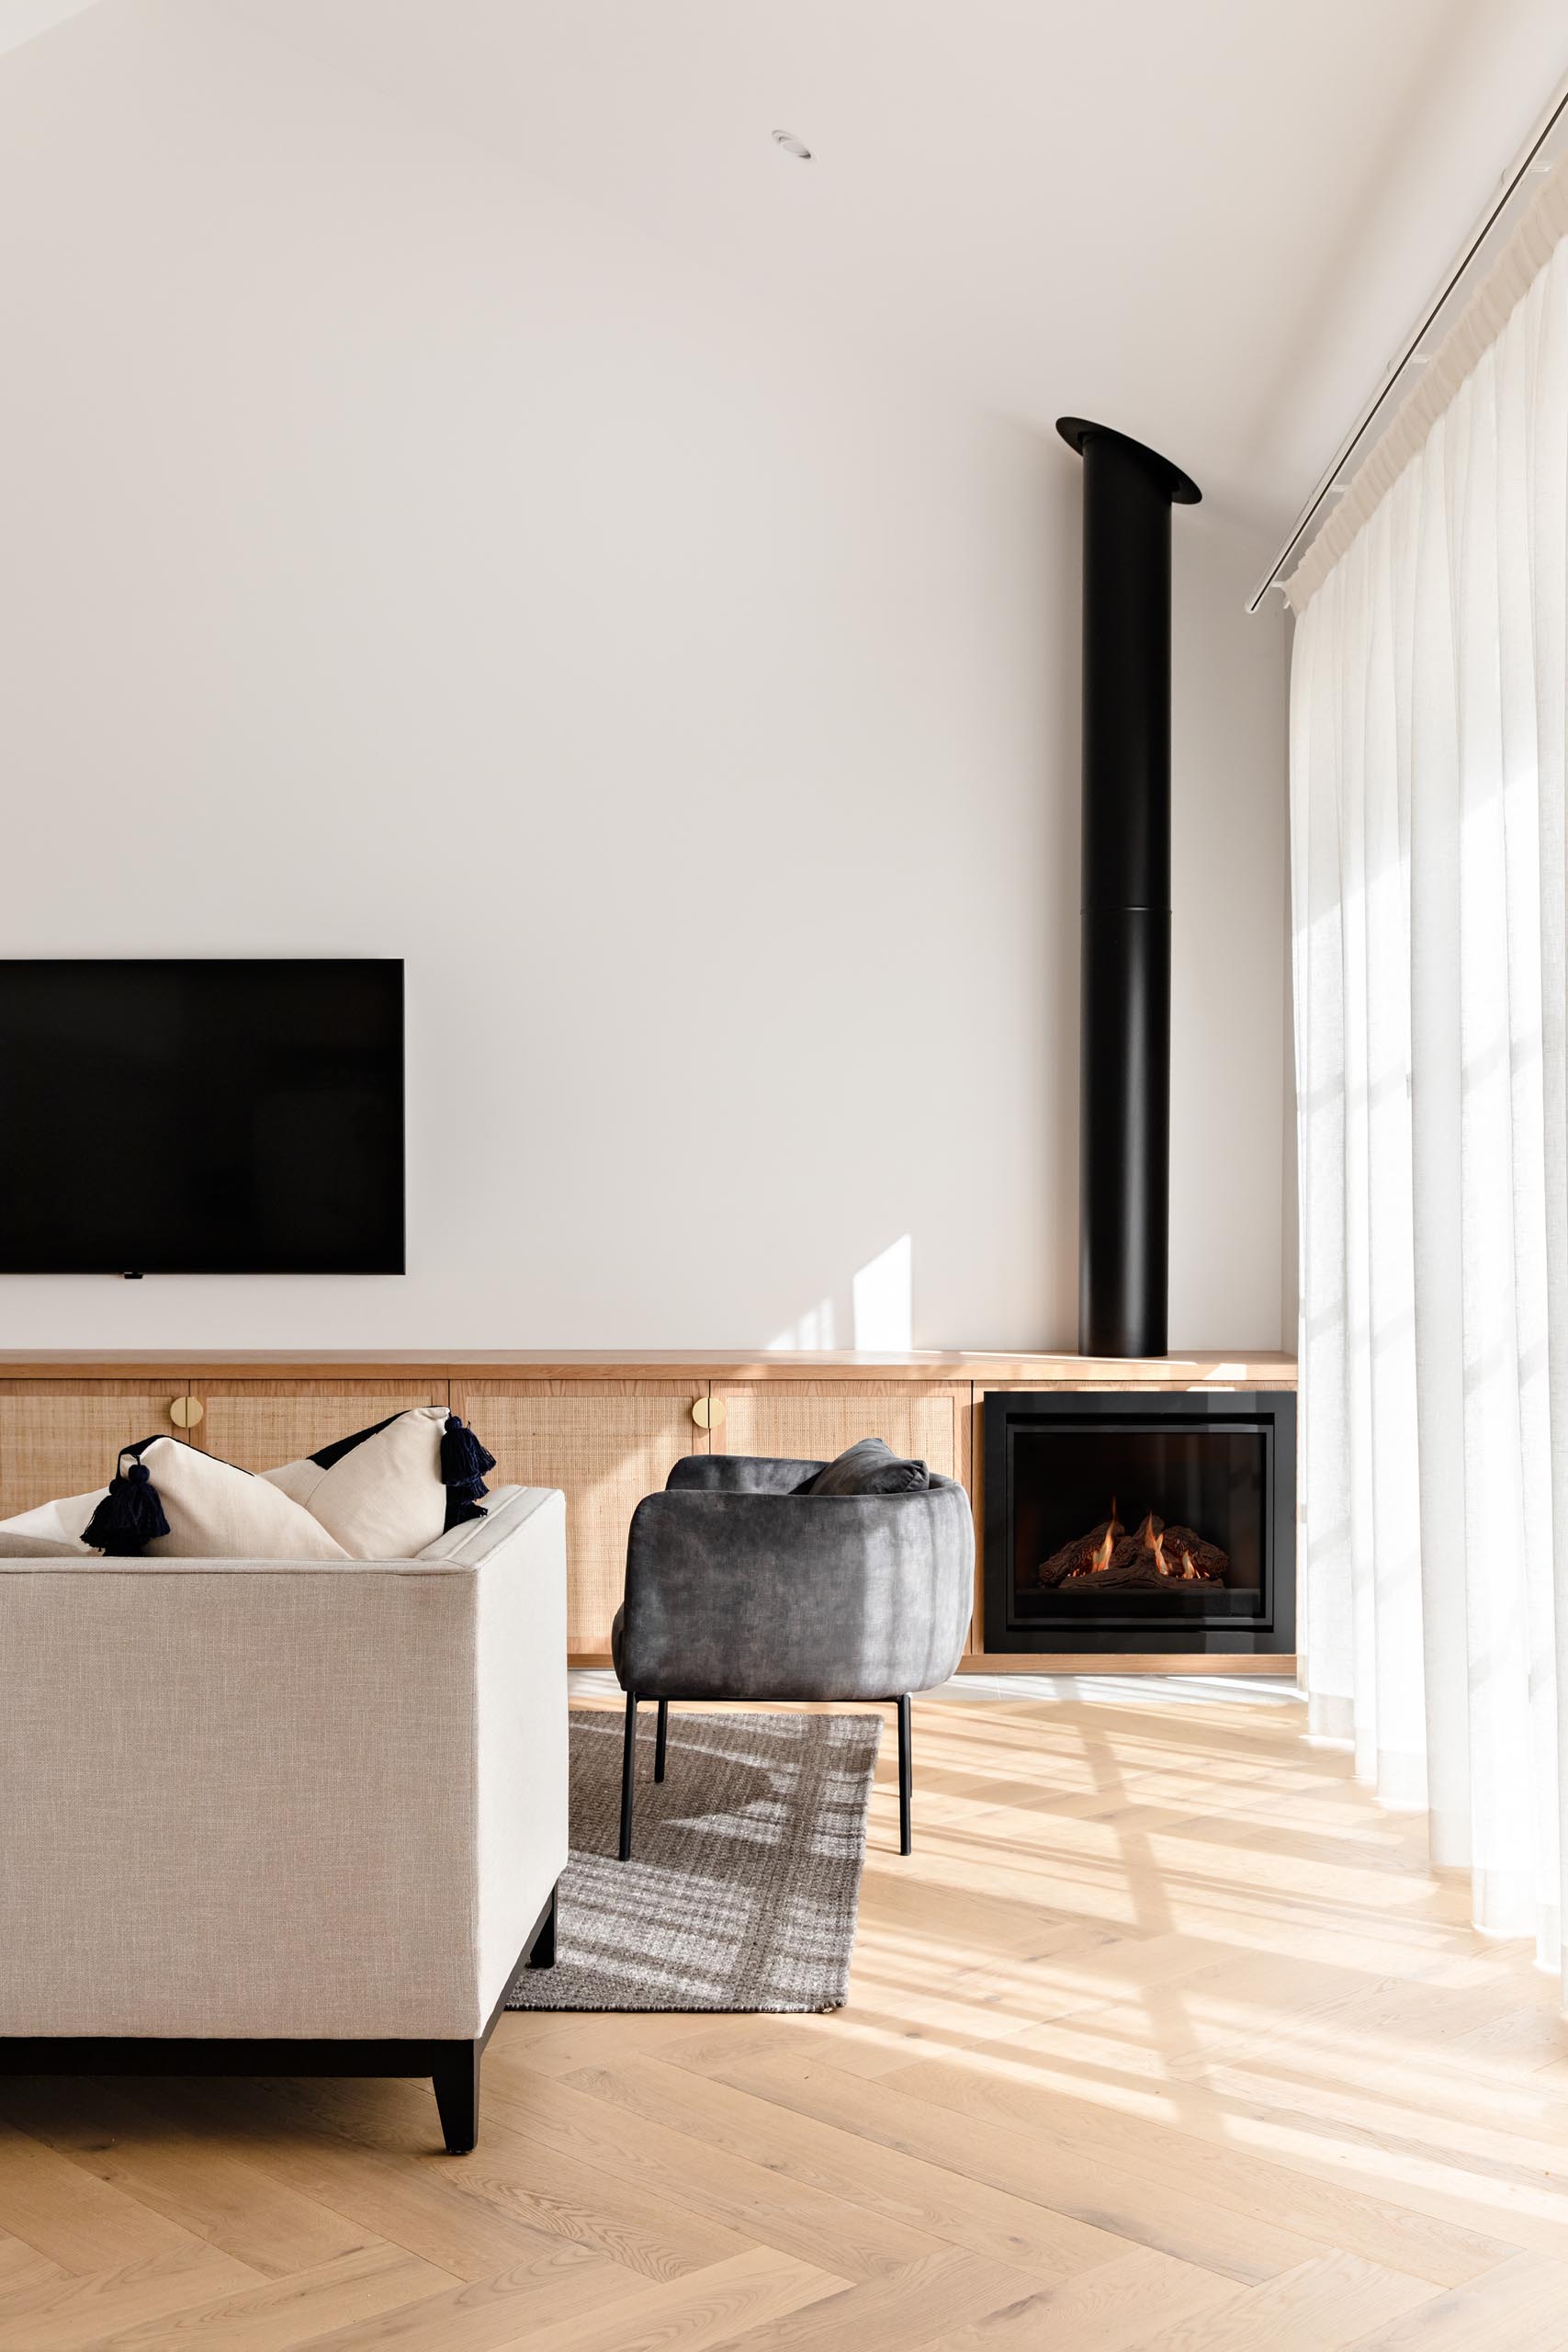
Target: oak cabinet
63, 1437
815, 1419
604, 1429
605, 1444
256, 1424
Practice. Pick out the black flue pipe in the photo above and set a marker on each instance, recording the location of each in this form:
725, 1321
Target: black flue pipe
1124, 1077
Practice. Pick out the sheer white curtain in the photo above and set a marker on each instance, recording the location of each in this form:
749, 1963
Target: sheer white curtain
1428, 694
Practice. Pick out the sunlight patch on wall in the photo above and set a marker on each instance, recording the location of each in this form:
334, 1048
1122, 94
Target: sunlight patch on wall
884, 1298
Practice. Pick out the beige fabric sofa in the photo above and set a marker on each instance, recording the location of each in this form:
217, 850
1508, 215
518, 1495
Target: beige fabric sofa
264, 1815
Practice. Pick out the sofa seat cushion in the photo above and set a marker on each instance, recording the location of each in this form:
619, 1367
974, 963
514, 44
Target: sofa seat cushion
389, 1491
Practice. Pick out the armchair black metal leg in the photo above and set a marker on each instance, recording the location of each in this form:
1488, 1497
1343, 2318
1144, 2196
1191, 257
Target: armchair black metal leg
456, 2082
542, 1951
906, 1776
628, 1767
660, 1737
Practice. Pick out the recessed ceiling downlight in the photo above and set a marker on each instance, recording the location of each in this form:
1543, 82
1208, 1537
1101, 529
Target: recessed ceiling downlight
793, 146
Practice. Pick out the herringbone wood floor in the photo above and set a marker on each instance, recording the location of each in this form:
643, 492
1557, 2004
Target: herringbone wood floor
1166, 2038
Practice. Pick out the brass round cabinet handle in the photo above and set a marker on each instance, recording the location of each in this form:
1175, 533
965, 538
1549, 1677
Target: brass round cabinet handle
185, 1412
709, 1412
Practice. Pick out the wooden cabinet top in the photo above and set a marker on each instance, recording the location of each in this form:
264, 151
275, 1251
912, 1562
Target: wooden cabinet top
1254, 1368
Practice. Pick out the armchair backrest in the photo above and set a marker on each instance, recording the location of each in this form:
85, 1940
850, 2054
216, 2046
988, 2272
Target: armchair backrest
736, 1590
741, 1474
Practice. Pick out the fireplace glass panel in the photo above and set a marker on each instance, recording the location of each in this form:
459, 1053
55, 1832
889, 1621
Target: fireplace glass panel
1161, 1522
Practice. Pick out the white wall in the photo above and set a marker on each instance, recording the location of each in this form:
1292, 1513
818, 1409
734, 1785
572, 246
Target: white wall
1230, 883
400, 559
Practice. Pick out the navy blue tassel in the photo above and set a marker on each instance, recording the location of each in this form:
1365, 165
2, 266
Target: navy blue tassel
129, 1518
464, 1461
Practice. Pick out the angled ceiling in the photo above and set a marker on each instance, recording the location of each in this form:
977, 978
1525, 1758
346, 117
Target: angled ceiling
23, 20
1208, 225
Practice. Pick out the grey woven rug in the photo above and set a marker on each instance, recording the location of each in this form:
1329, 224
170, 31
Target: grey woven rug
744, 1881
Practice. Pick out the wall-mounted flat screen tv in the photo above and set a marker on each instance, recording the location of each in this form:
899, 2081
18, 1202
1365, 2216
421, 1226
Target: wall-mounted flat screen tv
208, 1117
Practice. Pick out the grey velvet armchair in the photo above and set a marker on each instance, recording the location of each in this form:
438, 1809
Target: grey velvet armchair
740, 1586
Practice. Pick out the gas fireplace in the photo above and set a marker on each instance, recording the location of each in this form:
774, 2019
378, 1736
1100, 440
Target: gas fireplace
1140, 1520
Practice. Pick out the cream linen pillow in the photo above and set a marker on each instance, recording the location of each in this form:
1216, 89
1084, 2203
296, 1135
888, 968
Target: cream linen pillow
169, 1500
388, 1491
50, 1530
14, 1546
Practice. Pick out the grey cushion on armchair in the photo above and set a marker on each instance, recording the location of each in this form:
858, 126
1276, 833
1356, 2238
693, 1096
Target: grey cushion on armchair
740, 1586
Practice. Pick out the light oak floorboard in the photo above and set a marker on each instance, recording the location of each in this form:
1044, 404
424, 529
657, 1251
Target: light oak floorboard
1520, 2306
353, 2289
491, 2314
418, 2202
176, 2172
551, 2190
78, 2311
934, 2193
1323, 2306
82, 2225
1108, 2310
22, 2266
1028, 2167
894, 2314
750, 2293
1165, 2039
775, 2202
1238, 2180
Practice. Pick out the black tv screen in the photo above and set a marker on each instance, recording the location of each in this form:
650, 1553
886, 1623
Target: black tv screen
201, 1118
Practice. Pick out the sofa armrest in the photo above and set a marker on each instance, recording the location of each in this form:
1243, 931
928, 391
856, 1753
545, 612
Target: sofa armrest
518, 1553
770, 1596
314, 1799
739, 1473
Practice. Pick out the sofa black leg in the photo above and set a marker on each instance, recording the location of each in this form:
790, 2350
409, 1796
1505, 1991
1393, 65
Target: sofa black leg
628, 1765
457, 2096
906, 1776
542, 1951
661, 1738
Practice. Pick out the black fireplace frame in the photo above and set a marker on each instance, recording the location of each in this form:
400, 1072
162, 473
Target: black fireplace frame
1273, 1411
